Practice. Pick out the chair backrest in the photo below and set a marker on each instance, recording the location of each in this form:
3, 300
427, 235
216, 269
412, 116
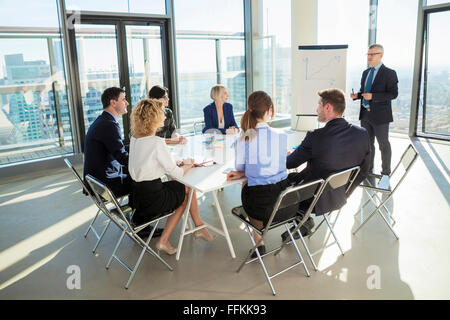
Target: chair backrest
101, 191
198, 126
75, 173
296, 194
403, 166
342, 178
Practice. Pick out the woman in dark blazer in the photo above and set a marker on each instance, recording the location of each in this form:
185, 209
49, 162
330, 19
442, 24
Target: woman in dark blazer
219, 114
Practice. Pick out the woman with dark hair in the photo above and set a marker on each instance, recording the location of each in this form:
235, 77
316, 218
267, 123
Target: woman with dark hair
219, 114
261, 157
168, 130
150, 159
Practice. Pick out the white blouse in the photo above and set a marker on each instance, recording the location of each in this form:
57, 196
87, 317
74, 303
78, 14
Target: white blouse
150, 159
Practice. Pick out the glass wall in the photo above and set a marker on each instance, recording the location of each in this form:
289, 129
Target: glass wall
210, 50
335, 26
399, 53
130, 6
34, 111
434, 106
272, 52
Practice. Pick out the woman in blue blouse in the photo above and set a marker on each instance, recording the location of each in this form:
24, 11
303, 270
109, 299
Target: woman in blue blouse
261, 157
219, 114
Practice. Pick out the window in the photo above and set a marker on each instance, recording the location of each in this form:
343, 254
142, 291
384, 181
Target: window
34, 111
399, 53
130, 6
210, 50
434, 106
335, 27
272, 53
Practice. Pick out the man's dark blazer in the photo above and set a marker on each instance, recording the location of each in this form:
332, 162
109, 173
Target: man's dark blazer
384, 89
336, 147
212, 121
105, 156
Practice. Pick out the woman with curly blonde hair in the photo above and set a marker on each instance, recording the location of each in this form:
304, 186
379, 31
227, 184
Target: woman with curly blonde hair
150, 159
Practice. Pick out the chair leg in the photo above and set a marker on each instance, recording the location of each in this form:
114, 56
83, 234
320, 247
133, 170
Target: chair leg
101, 235
332, 232
249, 232
306, 248
296, 249
92, 223
115, 249
150, 250
365, 221
389, 226
387, 210
139, 260
266, 274
315, 229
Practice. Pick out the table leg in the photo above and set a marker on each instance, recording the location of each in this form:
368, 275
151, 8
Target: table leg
183, 227
224, 226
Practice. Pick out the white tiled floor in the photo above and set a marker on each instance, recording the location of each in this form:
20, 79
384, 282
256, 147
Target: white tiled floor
43, 217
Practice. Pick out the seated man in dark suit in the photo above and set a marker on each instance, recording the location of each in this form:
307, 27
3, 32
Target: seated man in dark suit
105, 156
336, 147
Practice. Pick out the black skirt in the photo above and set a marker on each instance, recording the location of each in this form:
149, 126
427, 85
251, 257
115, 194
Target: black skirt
155, 198
258, 202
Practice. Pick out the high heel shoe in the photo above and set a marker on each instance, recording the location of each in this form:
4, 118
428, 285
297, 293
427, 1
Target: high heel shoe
162, 247
201, 235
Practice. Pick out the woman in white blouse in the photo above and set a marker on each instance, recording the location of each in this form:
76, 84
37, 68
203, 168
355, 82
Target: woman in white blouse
149, 160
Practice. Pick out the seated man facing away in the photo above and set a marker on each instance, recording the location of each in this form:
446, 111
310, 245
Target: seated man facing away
105, 156
336, 147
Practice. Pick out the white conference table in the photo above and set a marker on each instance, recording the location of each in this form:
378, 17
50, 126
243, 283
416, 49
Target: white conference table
213, 177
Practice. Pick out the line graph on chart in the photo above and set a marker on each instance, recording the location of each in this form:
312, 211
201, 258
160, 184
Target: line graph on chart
321, 71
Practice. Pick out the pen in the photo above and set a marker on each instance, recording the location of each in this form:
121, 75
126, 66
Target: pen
353, 92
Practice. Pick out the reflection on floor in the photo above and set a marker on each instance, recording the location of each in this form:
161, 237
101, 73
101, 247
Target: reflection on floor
43, 218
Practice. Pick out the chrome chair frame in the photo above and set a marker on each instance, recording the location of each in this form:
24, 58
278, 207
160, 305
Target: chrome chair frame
290, 196
407, 159
121, 217
91, 225
336, 180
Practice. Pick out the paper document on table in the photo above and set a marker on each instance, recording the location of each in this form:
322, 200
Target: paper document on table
227, 170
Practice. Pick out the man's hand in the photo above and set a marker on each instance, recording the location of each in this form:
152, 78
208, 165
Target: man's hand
233, 175
353, 95
367, 96
288, 153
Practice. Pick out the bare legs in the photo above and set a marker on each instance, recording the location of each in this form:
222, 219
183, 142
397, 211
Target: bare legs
173, 220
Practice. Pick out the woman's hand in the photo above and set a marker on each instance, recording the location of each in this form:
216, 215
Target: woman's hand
234, 175
182, 140
187, 164
232, 130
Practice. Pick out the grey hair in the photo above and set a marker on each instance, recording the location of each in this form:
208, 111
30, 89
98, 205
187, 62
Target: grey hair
377, 46
215, 91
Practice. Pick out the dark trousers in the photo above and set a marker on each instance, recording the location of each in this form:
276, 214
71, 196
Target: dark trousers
381, 132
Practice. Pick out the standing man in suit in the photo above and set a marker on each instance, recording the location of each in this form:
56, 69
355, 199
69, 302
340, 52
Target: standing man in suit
105, 156
378, 88
336, 147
